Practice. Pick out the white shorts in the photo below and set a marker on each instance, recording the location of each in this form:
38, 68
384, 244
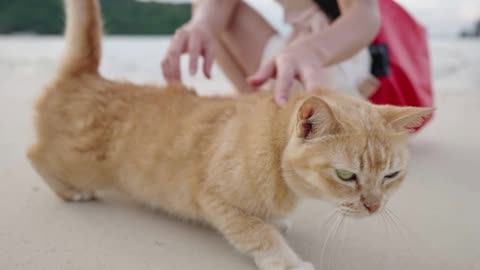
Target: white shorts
347, 76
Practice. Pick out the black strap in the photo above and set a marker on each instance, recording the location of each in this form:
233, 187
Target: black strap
380, 60
378, 52
329, 7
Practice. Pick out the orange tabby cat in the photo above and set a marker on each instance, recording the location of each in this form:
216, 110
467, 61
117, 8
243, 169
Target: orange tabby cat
234, 163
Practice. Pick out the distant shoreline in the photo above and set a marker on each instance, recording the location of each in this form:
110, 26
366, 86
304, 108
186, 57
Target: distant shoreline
20, 35
143, 35
475, 33
119, 17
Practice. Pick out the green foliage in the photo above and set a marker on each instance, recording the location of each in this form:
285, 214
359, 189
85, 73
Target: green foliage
120, 16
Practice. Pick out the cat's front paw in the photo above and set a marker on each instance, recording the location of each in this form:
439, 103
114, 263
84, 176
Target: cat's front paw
304, 266
82, 197
283, 225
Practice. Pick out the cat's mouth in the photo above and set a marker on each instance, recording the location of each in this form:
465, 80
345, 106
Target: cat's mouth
356, 210
347, 211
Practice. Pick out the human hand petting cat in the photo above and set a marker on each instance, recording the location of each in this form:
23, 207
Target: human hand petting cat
195, 39
297, 61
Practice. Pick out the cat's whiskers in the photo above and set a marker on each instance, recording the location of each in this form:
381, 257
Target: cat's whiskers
327, 238
330, 218
331, 234
404, 227
407, 234
418, 242
389, 230
340, 232
398, 225
330, 221
396, 229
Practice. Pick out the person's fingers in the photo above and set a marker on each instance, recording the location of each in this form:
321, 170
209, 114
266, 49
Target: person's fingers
283, 84
194, 49
311, 78
165, 70
208, 56
263, 74
177, 47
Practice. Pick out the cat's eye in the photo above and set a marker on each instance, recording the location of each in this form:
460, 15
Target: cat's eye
392, 175
345, 175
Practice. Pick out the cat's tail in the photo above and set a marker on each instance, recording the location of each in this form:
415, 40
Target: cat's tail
83, 38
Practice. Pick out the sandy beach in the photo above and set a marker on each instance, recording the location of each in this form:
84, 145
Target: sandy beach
438, 220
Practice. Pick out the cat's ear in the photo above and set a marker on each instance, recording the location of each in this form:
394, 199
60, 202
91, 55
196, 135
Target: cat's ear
405, 119
315, 118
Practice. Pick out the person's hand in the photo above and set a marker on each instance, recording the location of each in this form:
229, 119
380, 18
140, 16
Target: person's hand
194, 39
296, 62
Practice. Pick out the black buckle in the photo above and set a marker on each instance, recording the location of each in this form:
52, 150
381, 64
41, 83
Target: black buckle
380, 60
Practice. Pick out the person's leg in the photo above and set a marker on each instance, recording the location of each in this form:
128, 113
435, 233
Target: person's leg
239, 49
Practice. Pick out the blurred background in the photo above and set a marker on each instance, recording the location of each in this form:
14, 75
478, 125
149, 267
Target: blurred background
30, 33
443, 18
437, 207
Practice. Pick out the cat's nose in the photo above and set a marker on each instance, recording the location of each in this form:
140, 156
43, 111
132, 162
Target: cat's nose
372, 207
371, 203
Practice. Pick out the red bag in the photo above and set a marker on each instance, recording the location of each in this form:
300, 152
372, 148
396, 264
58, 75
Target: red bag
408, 80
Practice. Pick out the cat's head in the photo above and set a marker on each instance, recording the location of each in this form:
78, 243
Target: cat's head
348, 151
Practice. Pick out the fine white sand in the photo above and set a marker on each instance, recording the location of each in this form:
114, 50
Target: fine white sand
437, 207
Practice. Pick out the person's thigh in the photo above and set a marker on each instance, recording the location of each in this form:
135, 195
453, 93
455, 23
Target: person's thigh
247, 35
241, 47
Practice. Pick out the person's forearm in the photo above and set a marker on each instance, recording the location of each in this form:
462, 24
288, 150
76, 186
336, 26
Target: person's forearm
353, 30
215, 13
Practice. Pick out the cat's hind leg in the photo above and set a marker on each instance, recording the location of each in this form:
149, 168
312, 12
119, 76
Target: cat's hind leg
62, 188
